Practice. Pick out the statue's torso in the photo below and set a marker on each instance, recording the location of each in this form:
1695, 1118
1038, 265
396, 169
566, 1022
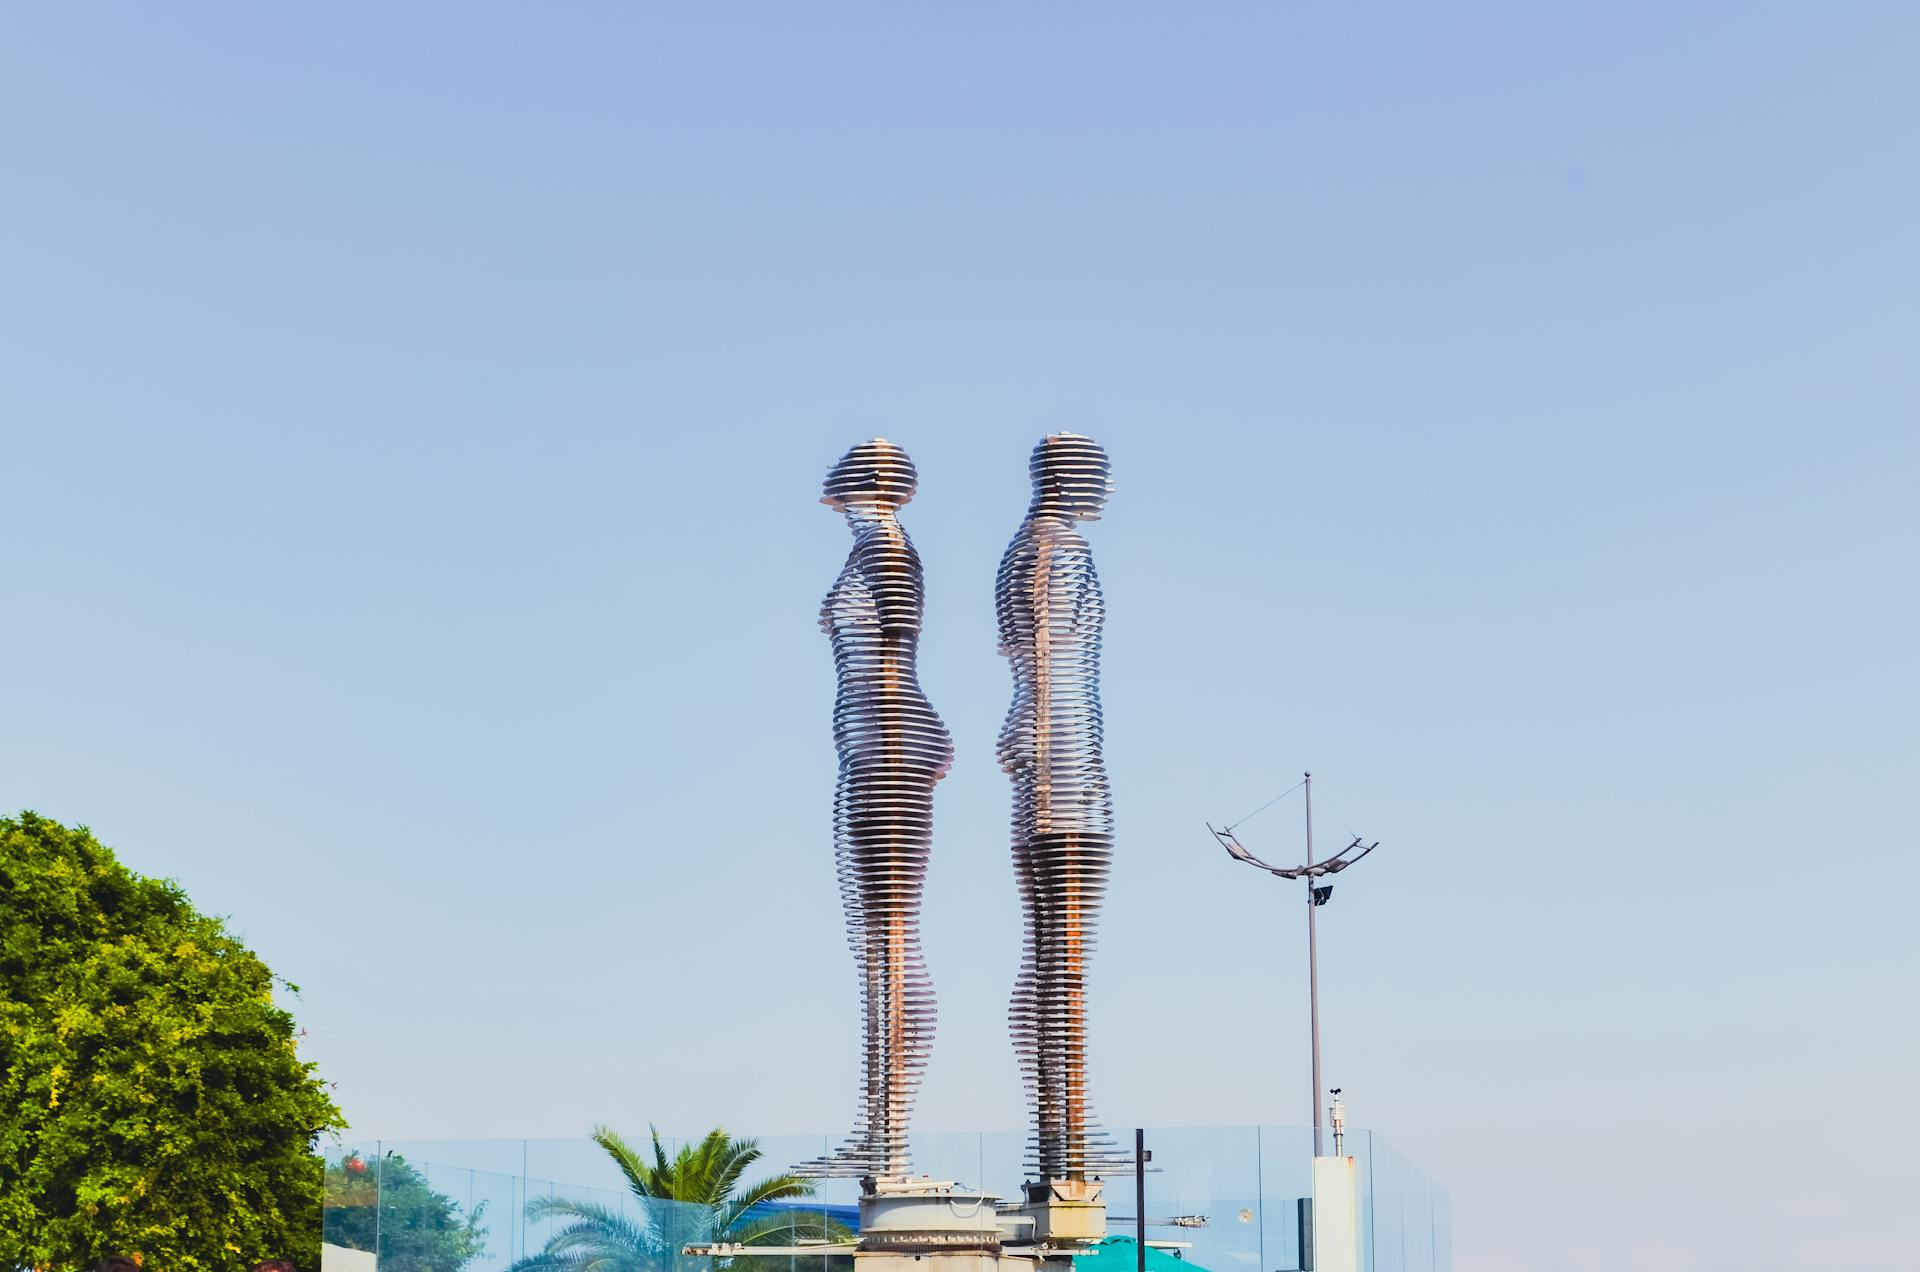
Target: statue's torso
1051, 613
872, 616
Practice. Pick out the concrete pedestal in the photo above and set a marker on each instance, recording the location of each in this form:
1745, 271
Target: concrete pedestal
924, 1216
1066, 1212
1336, 1215
923, 1225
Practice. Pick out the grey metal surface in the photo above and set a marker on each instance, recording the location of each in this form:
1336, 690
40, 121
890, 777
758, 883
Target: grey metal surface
893, 748
1050, 612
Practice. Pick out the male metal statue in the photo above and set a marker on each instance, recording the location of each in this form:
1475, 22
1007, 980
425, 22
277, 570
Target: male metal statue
1051, 611
893, 749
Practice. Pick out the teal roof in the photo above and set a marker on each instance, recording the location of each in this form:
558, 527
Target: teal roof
1120, 1254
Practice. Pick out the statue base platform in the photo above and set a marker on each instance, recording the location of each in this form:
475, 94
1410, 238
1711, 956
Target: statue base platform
1065, 1212
926, 1225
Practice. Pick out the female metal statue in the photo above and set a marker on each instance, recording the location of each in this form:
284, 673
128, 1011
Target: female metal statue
893, 749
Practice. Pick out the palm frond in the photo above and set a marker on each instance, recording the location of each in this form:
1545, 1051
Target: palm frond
777, 1188
703, 1168
544, 1262
632, 1168
551, 1207
597, 1226
686, 1196
731, 1157
659, 1151
585, 1261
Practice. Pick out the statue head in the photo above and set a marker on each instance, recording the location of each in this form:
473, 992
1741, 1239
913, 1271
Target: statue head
1071, 477
872, 473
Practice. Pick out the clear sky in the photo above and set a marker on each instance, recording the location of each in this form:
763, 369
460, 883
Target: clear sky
411, 421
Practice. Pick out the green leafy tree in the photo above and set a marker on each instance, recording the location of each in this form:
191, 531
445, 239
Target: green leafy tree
390, 1202
152, 1103
693, 1195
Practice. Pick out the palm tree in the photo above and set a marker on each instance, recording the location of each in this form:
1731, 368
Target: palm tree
688, 1197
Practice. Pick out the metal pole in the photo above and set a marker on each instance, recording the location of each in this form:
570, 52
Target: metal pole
379, 1184
1313, 972
1140, 1198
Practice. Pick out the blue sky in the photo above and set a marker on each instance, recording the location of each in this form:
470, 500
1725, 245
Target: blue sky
411, 425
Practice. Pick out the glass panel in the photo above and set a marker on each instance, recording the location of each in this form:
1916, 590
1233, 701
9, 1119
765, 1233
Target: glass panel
350, 1201
1286, 1183
1405, 1222
1199, 1183
1220, 1199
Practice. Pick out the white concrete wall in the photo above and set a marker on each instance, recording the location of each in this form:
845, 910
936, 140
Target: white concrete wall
1336, 1215
335, 1258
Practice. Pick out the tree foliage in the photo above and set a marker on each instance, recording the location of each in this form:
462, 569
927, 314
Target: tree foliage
389, 1203
152, 1103
693, 1195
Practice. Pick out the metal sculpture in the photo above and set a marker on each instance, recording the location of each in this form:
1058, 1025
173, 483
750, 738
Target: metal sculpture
893, 749
1050, 613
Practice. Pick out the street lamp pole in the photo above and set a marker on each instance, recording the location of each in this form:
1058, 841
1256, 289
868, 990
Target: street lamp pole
1317, 896
1313, 970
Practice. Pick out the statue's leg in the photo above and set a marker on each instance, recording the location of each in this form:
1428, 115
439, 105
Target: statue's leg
853, 1156
1073, 1014
1023, 1007
912, 1022
1049, 989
